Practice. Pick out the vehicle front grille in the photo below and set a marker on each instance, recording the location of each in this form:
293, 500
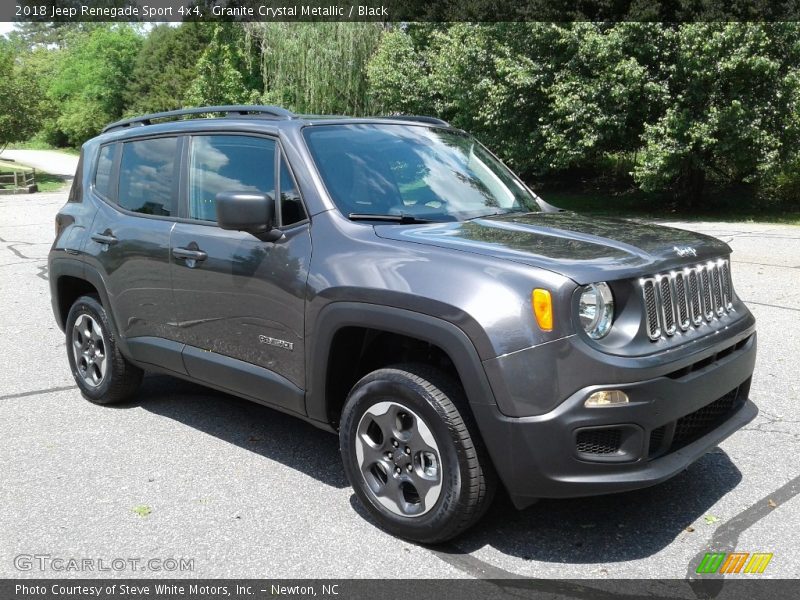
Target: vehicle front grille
677, 434
680, 300
703, 420
657, 440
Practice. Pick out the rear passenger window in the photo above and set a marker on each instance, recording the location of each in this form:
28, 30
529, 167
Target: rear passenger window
146, 176
292, 210
228, 163
102, 177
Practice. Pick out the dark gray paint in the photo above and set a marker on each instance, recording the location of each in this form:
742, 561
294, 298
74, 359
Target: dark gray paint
244, 289
586, 249
462, 286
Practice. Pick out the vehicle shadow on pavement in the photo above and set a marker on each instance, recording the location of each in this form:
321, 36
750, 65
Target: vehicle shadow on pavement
270, 433
615, 527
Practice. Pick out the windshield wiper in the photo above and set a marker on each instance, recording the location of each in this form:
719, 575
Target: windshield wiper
500, 213
487, 215
401, 218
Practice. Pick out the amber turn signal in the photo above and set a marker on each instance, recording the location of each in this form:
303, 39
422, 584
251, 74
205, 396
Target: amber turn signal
543, 308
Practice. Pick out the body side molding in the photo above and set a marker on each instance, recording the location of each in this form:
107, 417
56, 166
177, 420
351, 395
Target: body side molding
243, 379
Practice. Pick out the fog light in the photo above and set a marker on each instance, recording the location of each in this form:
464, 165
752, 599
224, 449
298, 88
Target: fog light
607, 398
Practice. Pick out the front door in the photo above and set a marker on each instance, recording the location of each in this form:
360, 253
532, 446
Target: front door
236, 296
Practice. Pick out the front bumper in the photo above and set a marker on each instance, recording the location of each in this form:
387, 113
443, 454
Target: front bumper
671, 421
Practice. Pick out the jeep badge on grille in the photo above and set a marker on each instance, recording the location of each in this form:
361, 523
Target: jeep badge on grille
683, 251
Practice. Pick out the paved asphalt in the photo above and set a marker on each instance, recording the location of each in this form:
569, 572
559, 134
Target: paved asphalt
184, 472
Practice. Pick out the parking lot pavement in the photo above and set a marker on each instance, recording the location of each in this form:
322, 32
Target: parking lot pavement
184, 472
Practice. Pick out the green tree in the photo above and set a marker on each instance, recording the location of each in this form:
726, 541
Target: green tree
49, 34
608, 85
491, 79
88, 87
19, 108
494, 80
732, 111
40, 66
395, 75
316, 67
38, 32
669, 107
166, 66
222, 71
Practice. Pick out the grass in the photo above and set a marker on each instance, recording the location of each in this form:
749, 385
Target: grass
720, 206
46, 182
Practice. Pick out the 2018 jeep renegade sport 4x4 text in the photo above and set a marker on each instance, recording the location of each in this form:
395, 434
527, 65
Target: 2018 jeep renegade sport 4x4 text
390, 280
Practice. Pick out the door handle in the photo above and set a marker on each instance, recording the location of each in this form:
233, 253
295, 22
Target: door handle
105, 238
189, 254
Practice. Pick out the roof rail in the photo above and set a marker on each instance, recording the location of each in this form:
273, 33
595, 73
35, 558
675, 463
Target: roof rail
418, 119
232, 110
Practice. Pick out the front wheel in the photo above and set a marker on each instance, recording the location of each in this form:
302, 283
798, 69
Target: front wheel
413, 455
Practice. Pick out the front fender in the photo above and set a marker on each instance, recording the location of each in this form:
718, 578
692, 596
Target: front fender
447, 336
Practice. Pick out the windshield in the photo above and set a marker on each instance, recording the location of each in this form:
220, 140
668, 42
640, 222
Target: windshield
425, 173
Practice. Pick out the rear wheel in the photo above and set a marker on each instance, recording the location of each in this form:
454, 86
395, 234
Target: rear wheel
412, 453
101, 372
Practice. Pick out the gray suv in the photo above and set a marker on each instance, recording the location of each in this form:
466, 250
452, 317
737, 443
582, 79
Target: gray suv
390, 280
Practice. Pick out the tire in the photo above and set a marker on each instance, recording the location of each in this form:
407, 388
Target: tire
413, 454
103, 375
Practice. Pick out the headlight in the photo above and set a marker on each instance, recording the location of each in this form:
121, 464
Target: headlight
596, 309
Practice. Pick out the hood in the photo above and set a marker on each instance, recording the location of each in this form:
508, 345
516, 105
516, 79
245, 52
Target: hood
584, 248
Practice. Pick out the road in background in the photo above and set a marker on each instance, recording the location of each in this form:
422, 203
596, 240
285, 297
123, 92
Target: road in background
249, 492
49, 161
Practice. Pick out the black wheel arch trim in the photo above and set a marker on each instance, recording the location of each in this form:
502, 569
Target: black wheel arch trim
70, 267
444, 334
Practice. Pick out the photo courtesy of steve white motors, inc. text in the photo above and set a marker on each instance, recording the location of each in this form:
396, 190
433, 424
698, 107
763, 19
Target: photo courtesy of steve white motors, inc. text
172, 589
149, 12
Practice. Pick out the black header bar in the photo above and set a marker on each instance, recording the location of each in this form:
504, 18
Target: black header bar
401, 10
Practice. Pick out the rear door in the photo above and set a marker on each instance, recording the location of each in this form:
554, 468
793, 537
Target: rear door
137, 182
236, 296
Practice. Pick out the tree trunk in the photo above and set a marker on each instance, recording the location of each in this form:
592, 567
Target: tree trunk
691, 186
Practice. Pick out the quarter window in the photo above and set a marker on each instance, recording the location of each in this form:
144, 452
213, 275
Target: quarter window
292, 210
146, 176
228, 163
102, 178
76, 191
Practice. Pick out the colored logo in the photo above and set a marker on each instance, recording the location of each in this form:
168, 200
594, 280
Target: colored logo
734, 562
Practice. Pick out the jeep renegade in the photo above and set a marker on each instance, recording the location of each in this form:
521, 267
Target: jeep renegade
390, 280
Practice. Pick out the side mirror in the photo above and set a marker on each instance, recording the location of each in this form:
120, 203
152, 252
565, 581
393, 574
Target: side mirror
244, 211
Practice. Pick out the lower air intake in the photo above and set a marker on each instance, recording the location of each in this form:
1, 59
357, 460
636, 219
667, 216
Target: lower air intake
598, 441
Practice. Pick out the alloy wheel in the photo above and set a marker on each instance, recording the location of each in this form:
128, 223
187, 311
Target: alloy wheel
399, 459
89, 350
